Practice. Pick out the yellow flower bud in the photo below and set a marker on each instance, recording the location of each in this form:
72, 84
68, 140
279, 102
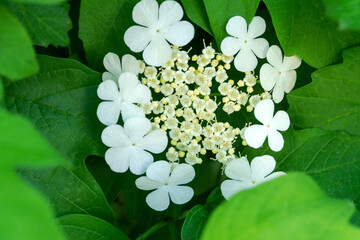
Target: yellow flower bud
225, 99
249, 108
231, 151
227, 125
227, 66
199, 138
157, 89
196, 92
200, 69
190, 93
231, 82
206, 98
218, 57
240, 83
157, 120
144, 81
220, 67
164, 101
162, 81
163, 127
215, 151
173, 142
163, 117
249, 89
237, 107
194, 58
181, 154
203, 151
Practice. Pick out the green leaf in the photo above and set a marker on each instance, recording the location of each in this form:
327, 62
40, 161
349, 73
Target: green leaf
194, 223
219, 13
17, 56
195, 10
46, 24
304, 30
290, 207
24, 213
347, 12
85, 227
61, 102
331, 101
39, 1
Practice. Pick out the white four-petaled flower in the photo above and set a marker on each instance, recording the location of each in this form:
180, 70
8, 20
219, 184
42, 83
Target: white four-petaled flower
158, 27
256, 134
122, 98
115, 68
245, 175
280, 75
166, 178
128, 144
244, 42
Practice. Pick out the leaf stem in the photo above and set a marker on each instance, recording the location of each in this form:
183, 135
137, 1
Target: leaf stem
151, 230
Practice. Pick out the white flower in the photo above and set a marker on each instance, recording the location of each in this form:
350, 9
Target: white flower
280, 75
246, 176
116, 68
245, 42
166, 181
128, 144
158, 27
256, 134
121, 99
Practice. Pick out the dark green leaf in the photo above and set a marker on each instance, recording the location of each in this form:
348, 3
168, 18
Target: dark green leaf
195, 10
39, 1
194, 223
347, 12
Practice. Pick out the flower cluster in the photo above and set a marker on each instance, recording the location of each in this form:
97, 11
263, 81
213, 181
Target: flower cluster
174, 101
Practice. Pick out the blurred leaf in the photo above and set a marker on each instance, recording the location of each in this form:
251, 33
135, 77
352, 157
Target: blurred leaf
85, 227
24, 213
304, 30
194, 223
40, 1
347, 12
219, 13
46, 24
290, 207
195, 10
331, 101
17, 56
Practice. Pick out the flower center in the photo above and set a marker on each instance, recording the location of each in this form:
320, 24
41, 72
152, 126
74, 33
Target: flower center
245, 41
134, 144
279, 73
268, 125
253, 182
157, 30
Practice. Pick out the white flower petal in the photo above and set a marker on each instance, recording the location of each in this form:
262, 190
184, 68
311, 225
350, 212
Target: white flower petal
256, 27
274, 175
245, 60
108, 90
145, 183
158, 199
128, 81
159, 171
274, 56
156, 141
118, 159
239, 169
170, 12
231, 187
140, 94
145, 13
130, 64
140, 160
129, 110
291, 63
183, 173
278, 92
109, 76
136, 128
112, 63
180, 194
108, 112
262, 166
230, 46
237, 27
268, 76
137, 38
264, 111
115, 136
289, 80
180, 33
259, 46
255, 135
276, 140
158, 52
281, 121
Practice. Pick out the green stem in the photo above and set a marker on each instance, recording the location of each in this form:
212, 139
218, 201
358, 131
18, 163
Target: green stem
151, 230
215, 94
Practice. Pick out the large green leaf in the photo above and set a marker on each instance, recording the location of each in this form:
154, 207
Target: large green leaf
17, 56
195, 10
347, 12
85, 227
46, 24
331, 101
39, 1
304, 30
24, 213
290, 207
219, 13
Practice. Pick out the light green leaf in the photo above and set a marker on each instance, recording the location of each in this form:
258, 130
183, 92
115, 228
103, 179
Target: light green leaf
17, 56
219, 13
347, 12
195, 10
24, 213
290, 207
46, 24
304, 30
331, 101
85, 227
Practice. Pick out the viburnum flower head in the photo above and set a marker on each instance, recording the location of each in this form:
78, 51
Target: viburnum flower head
158, 27
130, 146
166, 178
244, 42
115, 68
256, 134
244, 175
280, 74
122, 98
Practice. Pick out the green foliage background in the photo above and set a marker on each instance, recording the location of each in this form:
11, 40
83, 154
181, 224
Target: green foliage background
55, 184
